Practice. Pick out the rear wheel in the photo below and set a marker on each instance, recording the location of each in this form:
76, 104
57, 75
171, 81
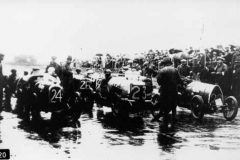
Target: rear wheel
197, 107
156, 108
231, 110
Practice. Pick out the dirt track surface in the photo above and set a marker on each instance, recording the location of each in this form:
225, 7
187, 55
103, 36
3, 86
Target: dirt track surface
103, 136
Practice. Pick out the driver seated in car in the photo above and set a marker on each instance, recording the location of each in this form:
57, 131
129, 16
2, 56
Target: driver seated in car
108, 76
51, 76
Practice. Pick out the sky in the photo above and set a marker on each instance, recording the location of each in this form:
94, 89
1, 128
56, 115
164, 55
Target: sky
82, 28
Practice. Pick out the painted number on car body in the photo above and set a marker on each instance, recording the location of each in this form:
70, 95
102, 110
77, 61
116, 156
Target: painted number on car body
56, 95
98, 83
136, 92
85, 85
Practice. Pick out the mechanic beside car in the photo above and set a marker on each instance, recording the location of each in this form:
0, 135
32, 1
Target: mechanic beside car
168, 78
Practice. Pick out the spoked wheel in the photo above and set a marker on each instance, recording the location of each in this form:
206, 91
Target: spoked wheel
76, 109
231, 110
117, 109
197, 107
156, 109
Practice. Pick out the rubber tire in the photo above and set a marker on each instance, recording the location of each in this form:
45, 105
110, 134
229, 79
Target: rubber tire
155, 100
118, 111
76, 110
197, 100
234, 111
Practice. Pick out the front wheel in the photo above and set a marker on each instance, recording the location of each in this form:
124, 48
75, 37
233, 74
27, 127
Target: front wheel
120, 109
231, 110
197, 107
77, 108
156, 108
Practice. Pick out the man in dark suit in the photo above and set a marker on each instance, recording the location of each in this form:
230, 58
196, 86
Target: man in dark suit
168, 79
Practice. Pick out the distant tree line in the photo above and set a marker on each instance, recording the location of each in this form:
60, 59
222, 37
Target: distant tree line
23, 59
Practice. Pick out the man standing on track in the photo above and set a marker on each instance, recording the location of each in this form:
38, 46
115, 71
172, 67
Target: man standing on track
168, 79
67, 76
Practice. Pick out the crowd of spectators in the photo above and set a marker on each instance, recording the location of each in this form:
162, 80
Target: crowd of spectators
219, 65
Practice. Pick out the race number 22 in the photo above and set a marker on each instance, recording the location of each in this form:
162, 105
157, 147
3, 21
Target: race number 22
4, 154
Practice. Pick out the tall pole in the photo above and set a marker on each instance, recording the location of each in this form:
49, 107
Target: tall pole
201, 41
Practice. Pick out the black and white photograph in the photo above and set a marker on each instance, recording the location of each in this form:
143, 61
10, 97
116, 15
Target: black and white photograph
119, 79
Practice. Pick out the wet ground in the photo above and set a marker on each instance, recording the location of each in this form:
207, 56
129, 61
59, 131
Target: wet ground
105, 137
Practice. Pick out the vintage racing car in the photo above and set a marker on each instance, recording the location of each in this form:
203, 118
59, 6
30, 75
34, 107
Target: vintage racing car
36, 95
202, 98
129, 93
83, 88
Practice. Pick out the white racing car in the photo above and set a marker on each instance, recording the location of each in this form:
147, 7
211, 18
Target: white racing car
129, 93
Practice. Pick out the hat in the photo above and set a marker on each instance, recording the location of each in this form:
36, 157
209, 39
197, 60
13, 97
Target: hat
35, 69
145, 63
13, 70
69, 58
108, 71
220, 58
166, 60
54, 57
90, 71
183, 60
125, 68
36, 72
1, 55
78, 69
25, 73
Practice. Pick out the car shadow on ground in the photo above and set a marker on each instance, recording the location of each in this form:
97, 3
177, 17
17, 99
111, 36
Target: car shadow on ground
44, 130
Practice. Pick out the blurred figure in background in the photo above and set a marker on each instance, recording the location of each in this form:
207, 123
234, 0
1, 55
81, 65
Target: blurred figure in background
2, 83
220, 72
10, 90
236, 73
183, 69
67, 76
